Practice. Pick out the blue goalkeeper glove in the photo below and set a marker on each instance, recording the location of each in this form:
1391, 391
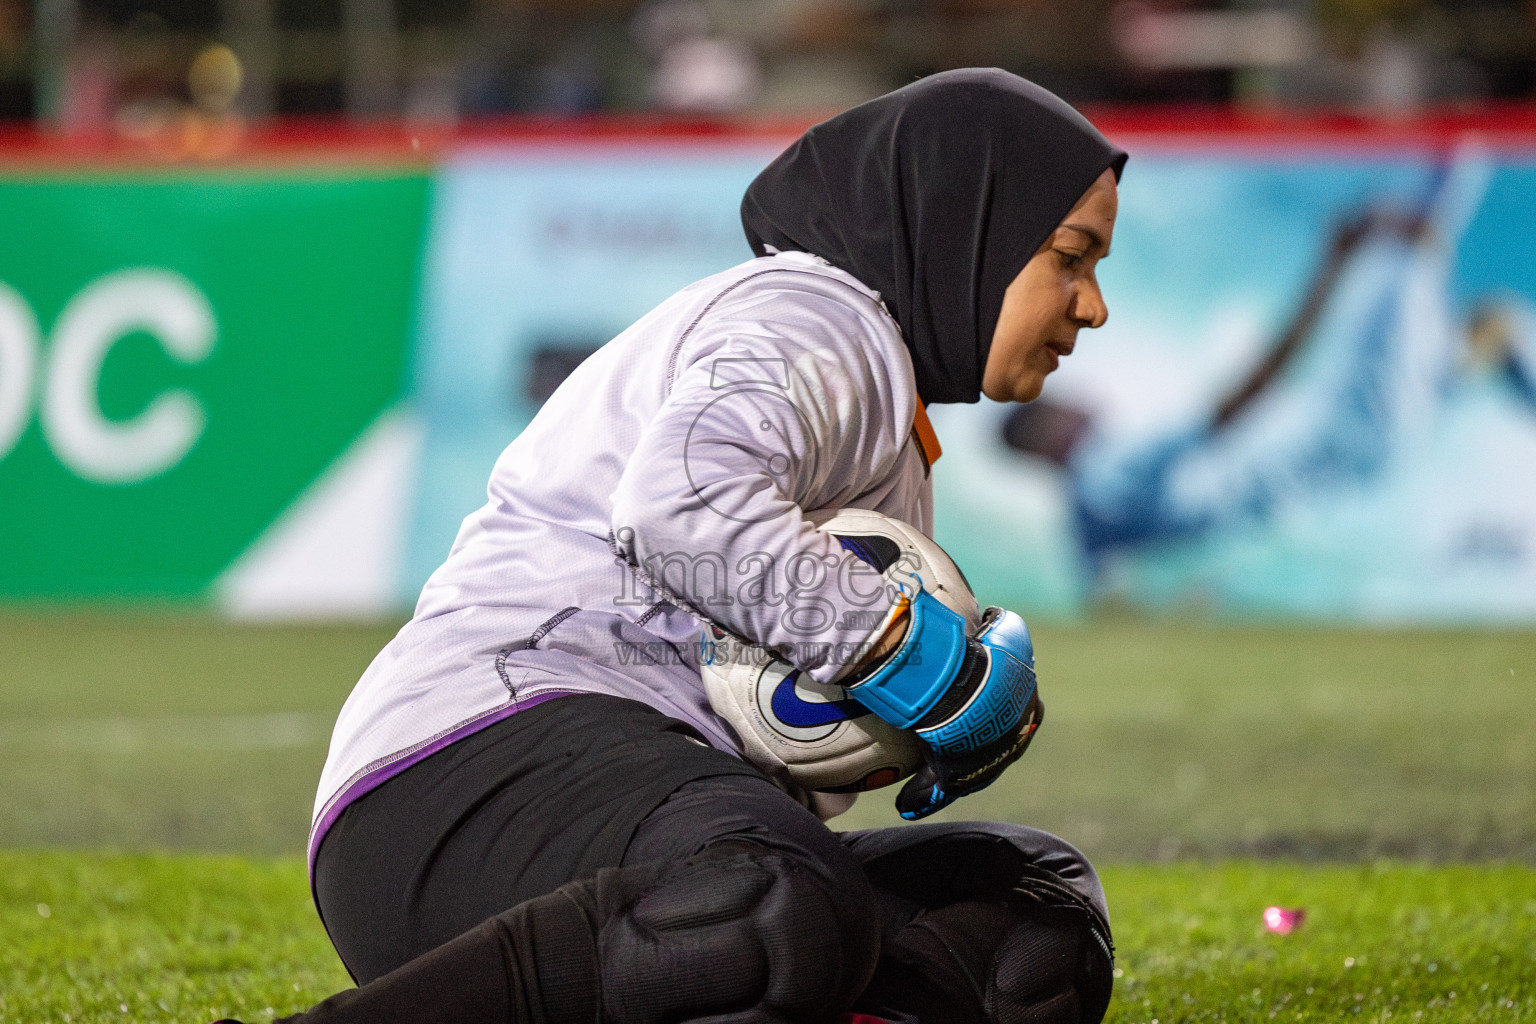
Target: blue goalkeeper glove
972, 701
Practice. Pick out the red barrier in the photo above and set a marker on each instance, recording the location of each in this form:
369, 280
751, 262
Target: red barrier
1273, 131
194, 139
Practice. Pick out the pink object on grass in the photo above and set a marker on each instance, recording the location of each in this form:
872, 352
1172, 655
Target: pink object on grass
1282, 921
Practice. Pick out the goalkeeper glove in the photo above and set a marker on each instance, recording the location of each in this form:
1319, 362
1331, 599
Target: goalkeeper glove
974, 702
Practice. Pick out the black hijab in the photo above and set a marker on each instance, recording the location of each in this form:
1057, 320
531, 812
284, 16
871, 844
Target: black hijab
934, 195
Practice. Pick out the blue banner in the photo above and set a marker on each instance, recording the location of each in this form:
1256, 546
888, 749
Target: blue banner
536, 257
1315, 396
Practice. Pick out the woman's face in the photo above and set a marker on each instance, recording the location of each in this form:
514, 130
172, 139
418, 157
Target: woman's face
1055, 295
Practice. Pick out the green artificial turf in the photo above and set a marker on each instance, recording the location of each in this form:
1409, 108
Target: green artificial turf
92, 938
1168, 742
95, 937
1380, 942
1179, 740
166, 731
1161, 740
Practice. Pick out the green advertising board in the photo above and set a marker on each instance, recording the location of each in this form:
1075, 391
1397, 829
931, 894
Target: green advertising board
181, 355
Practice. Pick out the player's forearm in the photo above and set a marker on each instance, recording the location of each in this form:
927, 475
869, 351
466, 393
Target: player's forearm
780, 583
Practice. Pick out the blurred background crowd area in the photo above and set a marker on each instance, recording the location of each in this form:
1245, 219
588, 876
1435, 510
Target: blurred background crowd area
128, 67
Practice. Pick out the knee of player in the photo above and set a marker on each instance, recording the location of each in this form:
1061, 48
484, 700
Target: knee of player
1007, 961
1052, 966
737, 928
822, 934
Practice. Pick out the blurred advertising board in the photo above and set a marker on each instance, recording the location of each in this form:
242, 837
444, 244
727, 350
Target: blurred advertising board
538, 255
1315, 396
182, 356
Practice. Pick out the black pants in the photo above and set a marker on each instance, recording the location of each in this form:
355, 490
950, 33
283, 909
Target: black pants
594, 787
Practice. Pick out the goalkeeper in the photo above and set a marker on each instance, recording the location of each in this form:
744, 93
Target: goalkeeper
531, 813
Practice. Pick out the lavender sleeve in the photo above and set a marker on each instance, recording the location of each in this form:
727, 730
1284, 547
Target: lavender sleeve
775, 409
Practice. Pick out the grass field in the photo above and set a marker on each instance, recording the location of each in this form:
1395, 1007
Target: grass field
97, 938
1160, 742
1173, 754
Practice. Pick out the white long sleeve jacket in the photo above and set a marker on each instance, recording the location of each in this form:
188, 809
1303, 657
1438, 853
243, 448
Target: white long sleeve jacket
666, 479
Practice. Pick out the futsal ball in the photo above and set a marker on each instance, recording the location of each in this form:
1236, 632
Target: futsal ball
813, 735
904, 555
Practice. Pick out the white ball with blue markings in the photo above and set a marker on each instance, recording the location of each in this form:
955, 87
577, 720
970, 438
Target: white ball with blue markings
816, 736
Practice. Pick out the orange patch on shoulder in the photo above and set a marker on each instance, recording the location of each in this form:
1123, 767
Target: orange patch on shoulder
927, 440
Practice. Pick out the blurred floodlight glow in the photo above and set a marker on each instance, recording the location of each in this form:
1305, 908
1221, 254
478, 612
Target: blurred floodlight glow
215, 77
1212, 39
707, 74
